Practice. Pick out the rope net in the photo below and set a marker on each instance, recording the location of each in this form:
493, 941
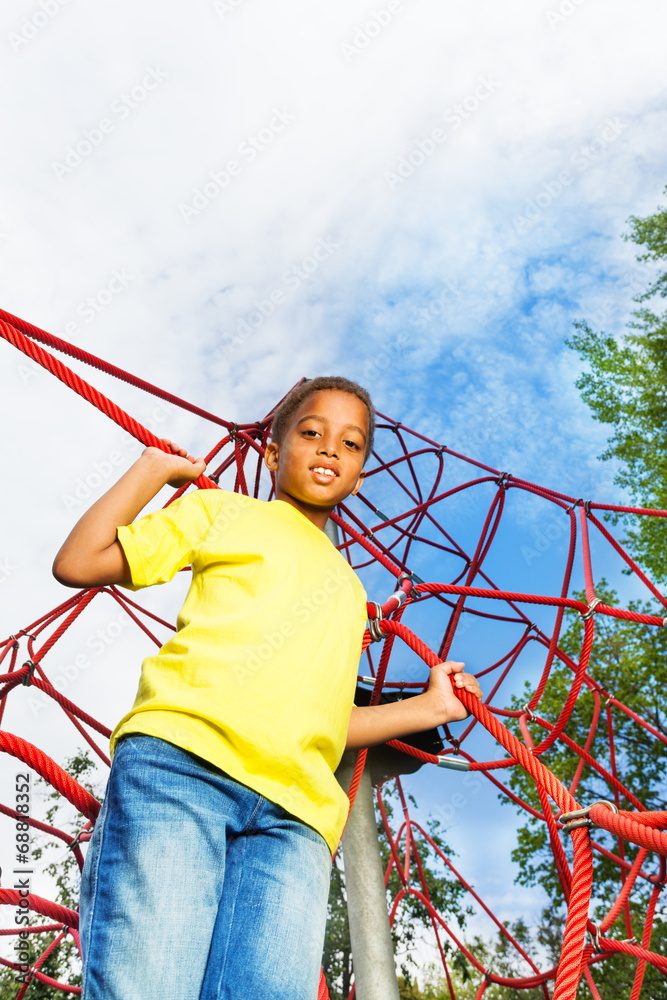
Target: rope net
440, 554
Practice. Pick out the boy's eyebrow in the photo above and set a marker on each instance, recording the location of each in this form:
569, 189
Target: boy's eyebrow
316, 416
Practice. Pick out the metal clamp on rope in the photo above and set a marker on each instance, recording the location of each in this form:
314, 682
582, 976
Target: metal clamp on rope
400, 595
376, 633
581, 817
585, 615
503, 479
453, 763
31, 669
595, 938
75, 843
414, 579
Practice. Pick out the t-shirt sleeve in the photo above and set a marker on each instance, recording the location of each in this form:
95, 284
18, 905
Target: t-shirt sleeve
159, 544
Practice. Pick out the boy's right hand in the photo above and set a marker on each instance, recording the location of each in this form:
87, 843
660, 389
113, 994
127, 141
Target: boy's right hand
91, 555
180, 467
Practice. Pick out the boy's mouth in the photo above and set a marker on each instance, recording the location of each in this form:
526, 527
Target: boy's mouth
324, 473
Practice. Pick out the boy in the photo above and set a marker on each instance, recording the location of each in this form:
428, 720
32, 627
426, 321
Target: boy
207, 875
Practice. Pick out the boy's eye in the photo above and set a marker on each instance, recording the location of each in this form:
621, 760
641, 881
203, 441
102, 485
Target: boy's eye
352, 444
311, 432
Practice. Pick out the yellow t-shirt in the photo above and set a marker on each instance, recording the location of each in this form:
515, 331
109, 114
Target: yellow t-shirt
260, 677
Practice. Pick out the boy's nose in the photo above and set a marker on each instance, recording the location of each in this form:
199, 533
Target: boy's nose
327, 448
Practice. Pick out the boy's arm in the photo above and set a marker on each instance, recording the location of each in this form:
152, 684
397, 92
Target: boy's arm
92, 556
437, 705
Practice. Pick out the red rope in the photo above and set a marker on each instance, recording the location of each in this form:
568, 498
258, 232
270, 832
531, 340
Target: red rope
92, 395
394, 544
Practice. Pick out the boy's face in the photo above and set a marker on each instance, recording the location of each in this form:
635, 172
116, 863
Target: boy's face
320, 461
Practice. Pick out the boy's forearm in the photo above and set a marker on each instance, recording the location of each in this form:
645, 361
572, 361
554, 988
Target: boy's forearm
91, 554
437, 705
376, 724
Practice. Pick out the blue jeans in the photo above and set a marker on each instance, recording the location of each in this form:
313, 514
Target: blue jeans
197, 888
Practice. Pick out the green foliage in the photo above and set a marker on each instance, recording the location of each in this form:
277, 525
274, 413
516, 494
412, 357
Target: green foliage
412, 918
626, 387
628, 662
500, 958
64, 963
337, 960
445, 892
651, 233
614, 976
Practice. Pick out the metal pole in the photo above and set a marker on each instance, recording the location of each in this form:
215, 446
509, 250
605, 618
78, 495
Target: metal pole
370, 934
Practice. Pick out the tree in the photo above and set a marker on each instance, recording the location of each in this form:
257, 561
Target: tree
412, 917
627, 661
64, 963
337, 961
627, 388
500, 958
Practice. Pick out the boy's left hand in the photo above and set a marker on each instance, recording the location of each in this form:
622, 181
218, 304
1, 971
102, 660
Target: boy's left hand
442, 702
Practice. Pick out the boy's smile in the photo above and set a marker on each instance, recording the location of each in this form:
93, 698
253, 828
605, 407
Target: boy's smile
320, 461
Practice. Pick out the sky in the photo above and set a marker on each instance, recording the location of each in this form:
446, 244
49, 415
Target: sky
422, 196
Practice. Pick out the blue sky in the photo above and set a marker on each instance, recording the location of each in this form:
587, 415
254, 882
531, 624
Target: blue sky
462, 174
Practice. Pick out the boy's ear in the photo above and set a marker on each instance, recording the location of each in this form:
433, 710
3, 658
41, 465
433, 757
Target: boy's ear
271, 456
359, 483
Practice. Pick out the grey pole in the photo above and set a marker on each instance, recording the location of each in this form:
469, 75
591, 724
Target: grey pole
370, 934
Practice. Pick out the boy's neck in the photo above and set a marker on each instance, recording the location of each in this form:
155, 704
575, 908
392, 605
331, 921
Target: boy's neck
316, 515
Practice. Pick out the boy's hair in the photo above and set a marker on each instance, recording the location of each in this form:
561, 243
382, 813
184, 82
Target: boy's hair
294, 399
